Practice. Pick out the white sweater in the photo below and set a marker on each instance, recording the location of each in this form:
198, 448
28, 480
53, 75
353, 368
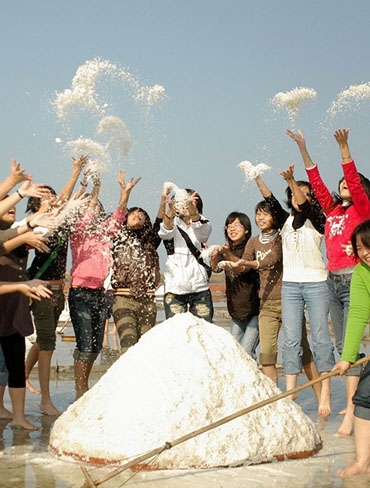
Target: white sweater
302, 257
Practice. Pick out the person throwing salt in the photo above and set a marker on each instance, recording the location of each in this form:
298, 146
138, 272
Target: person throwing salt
343, 213
90, 242
184, 231
136, 275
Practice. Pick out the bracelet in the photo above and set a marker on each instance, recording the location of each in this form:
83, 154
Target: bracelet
169, 218
347, 157
20, 194
29, 226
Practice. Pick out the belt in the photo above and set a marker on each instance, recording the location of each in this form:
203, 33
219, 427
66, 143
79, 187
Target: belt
55, 282
126, 292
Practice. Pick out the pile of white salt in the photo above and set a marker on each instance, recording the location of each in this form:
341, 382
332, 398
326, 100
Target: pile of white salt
182, 375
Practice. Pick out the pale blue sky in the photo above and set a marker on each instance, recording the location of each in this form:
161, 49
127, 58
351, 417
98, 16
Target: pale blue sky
220, 62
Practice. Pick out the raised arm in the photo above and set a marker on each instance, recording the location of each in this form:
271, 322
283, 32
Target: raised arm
16, 175
301, 143
125, 188
263, 188
341, 136
297, 193
78, 165
28, 189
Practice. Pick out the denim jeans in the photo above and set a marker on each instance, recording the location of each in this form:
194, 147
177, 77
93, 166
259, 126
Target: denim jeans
246, 333
295, 296
339, 287
87, 310
199, 304
361, 398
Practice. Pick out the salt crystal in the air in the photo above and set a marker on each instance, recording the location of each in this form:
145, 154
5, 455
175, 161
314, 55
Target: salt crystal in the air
180, 195
350, 98
206, 252
251, 171
120, 137
95, 168
150, 94
182, 375
82, 94
84, 145
292, 100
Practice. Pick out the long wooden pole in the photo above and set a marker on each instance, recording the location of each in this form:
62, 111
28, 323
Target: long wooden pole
244, 411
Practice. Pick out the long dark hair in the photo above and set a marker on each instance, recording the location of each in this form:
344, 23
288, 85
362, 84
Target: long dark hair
144, 233
365, 185
363, 232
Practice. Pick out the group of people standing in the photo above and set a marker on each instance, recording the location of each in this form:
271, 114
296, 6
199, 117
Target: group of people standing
294, 280
273, 279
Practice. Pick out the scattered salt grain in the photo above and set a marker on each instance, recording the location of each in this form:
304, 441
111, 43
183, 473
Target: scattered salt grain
206, 253
350, 98
180, 196
82, 94
150, 95
292, 100
120, 135
84, 145
252, 171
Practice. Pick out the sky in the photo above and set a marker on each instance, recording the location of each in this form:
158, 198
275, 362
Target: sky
220, 62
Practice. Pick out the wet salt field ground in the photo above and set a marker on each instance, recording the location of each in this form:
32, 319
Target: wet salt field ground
26, 463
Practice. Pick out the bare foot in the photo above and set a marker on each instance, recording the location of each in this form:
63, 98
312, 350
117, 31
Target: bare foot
32, 388
5, 413
324, 403
354, 468
49, 409
346, 426
24, 424
324, 409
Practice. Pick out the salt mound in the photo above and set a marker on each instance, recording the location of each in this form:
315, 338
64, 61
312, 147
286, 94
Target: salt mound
182, 375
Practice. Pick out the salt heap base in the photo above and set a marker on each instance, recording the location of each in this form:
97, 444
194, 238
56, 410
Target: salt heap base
181, 376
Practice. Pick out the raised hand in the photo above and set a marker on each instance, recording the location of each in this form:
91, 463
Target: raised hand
80, 162
297, 137
288, 173
37, 190
127, 187
341, 136
17, 174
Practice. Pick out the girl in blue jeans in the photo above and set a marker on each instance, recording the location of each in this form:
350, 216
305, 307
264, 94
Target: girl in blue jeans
241, 288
